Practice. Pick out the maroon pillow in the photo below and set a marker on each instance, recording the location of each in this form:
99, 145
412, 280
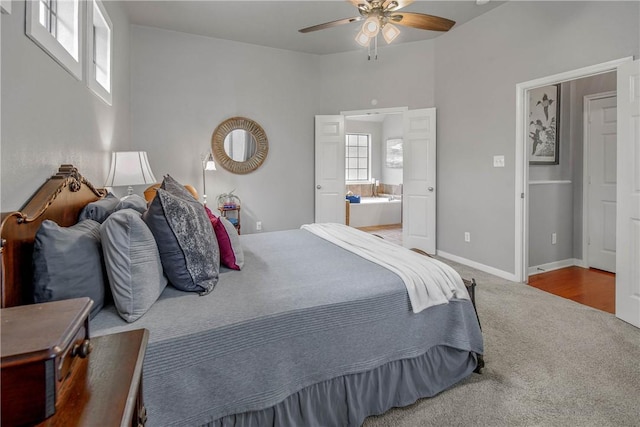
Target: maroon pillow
231, 254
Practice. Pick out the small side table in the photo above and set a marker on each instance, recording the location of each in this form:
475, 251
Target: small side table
110, 392
232, 214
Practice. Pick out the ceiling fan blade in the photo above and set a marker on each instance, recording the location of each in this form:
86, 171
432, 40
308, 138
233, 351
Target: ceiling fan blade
401, 4
331, 24
422, 21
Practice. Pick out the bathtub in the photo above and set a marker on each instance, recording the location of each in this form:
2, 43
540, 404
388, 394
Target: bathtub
375, 211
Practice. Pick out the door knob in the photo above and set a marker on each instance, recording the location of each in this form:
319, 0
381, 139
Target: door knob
318, 186
430, 189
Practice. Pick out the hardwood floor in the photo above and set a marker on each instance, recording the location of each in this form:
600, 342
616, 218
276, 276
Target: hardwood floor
588, 286
391, 232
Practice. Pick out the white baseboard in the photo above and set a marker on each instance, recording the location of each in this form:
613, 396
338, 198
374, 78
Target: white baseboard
556, 265
481, 267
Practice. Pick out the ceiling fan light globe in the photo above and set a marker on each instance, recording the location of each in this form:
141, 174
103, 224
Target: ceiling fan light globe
371, 26
363, 39
390, 32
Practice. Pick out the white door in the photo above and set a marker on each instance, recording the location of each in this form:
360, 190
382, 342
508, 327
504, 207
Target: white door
419, 180
601, 181
329, 174
628, 218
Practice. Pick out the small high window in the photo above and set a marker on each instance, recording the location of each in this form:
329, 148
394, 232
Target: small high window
99, 30
54, 25
357, 161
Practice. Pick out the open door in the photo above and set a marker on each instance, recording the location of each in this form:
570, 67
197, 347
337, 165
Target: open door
419, 180
329, 175
628, 192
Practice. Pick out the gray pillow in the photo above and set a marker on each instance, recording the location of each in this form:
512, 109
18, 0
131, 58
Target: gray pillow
186, 241
100, 209
132, 262
68, 264
132, 201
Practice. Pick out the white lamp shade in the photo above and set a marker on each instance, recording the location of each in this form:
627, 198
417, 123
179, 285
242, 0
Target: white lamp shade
371, 26
129, 168
363, 39
390, 32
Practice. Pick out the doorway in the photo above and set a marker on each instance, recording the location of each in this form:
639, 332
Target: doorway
373, 170
571, 201
522, 164
418, 198
628, 214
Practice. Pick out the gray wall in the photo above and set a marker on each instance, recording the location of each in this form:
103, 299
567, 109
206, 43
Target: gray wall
477, 68
403, 76
183, 86
50, 118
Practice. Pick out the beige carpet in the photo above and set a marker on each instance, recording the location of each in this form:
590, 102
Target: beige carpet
549, 362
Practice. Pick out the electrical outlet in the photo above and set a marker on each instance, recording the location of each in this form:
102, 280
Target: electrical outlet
467, 236
554, 238
258, 225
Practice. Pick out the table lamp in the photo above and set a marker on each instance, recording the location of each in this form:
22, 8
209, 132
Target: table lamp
129, 168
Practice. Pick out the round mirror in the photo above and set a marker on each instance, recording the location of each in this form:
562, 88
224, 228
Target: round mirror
239, 145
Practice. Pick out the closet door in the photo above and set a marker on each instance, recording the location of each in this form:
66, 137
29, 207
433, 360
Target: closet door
419, 180
329, 174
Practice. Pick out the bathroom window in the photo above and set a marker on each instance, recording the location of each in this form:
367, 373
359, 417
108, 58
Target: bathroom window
358, 156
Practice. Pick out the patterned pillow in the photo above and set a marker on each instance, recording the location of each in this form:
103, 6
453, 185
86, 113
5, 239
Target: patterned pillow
186, 242
67, 263
231, 253
133, 263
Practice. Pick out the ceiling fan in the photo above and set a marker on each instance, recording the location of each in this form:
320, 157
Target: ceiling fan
379, 16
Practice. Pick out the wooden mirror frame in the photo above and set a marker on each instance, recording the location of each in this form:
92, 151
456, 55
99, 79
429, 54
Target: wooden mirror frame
220, 155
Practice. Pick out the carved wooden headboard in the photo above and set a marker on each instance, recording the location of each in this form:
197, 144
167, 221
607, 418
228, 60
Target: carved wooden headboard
60, 199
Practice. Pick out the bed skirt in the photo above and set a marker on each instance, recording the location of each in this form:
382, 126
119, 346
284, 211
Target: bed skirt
348, 400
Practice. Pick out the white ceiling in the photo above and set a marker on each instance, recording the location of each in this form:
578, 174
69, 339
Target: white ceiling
276, 23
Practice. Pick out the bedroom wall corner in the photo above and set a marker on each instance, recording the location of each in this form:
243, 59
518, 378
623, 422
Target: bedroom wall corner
477, 69
49, 117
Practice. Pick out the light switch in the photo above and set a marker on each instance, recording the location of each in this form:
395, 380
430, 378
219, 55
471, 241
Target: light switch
498, 161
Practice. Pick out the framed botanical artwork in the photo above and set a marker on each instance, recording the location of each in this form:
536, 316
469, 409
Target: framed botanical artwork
544, 116
394, 153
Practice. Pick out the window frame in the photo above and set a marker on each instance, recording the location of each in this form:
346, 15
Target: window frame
92, 82
50, 44
369, 148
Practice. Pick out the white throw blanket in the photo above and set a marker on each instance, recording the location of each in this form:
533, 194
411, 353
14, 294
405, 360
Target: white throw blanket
428, 281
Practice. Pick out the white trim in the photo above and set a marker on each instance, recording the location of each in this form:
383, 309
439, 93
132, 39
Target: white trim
374, 111
5, 7
41, 36
586, 112
556, 265
551, 182
521, 166
487, 269
92, 82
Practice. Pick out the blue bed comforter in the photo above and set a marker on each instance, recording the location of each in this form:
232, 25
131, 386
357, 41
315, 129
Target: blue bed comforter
302, 312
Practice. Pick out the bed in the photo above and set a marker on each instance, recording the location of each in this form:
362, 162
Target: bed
307, 333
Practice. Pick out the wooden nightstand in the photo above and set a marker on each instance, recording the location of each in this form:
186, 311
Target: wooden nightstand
109, 393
